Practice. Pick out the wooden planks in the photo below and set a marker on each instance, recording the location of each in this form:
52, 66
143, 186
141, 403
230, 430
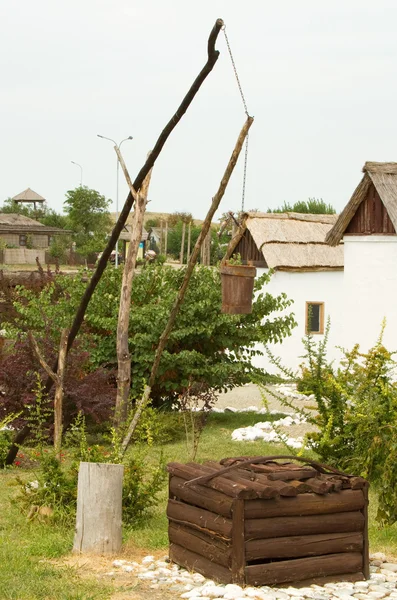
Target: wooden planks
305, 504
201, 496
194, 562
303, 568
306, 525
200, 519
212, 548
306, 545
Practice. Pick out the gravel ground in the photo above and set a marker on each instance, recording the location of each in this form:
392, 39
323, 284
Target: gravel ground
250, 395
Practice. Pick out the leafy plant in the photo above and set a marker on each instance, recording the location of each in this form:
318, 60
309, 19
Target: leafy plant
357, 414
204, 346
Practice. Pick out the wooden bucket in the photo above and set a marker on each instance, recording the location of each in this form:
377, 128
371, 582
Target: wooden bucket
237, 288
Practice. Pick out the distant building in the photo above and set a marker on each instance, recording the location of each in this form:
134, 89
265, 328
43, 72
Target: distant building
30, 197
27, 235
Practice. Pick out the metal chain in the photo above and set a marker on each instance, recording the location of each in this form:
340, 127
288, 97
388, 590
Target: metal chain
235, 71
246, 112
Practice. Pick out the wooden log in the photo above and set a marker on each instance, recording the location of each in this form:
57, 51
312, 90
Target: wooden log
200, 519
350, 577
305, 504
319, 486
306, 525
261, 487
212, 548
303, 568
201, 496
286, 474
366, 540
259, 482
98, 518
221, 484
194, 562
307, 545
238, 542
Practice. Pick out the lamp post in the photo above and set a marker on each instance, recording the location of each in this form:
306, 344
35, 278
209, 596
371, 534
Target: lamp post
81, 172
117, 186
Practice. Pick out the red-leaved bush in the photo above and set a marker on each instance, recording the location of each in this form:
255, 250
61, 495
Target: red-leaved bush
93, 393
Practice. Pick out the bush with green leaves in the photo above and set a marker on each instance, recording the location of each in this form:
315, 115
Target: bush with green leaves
55, 486
204, 345
357, 414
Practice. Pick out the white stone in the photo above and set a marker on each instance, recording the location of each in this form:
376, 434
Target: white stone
390, 566
212, 591
127, 568
378, 556
376, 595
118, 563
233, 587
147, 560
361, 585
378, 577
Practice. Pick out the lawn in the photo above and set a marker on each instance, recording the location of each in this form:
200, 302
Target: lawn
26, 547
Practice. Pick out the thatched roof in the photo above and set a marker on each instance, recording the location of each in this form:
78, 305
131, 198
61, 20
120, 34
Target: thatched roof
294, 240
384, 178
126, 234
28, 195
14, 223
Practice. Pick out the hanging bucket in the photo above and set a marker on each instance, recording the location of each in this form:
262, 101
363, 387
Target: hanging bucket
237, 288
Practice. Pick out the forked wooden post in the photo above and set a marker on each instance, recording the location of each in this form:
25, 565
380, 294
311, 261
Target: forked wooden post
99, 503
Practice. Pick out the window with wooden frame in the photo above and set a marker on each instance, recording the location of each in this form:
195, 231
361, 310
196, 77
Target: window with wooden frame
23, 240
314, 317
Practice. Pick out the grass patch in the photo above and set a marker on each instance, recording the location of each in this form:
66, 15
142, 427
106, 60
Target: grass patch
27, 547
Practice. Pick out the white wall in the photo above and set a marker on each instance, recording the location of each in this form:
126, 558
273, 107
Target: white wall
302, 287
370, 289
22, 256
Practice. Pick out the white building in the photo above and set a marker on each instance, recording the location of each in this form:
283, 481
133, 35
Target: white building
343, 268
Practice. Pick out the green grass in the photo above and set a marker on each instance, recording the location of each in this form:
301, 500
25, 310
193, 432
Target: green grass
26, 547
25, 574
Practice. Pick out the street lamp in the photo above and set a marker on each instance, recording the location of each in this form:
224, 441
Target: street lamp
117, 186
81, 172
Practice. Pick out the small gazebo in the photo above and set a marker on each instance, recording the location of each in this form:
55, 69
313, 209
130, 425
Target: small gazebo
29, 196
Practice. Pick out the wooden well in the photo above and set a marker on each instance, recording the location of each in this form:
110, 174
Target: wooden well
237, 288
262, 522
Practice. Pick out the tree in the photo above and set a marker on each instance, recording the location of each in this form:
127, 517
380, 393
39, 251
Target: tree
205, 344
88, 217
310, 206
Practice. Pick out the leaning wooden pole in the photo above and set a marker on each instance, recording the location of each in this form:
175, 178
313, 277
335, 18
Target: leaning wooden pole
123, 354
188, 273
172, 123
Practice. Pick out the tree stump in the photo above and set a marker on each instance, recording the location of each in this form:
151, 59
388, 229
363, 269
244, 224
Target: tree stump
99, 500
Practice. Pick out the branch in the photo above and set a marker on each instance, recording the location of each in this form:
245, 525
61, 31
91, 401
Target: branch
172, 123
188, 273
54, 377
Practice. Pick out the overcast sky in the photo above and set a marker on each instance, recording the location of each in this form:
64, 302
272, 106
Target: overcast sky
319, 78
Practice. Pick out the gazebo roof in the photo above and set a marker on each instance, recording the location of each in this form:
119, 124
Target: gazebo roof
28, 195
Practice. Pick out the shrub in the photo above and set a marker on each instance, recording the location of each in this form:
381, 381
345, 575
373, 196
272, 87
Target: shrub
357, 415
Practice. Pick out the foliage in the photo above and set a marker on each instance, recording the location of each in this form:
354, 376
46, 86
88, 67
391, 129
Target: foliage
89, 219
41, 213
56, 485
195, 404
91, 392
205, 345
142, 484
6, 435
311, 206
174, 240
357, 415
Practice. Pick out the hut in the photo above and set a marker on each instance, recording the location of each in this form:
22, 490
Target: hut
367, 226
30, 197
306, 269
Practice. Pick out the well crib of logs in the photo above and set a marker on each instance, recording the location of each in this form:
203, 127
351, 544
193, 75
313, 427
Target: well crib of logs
266, 521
